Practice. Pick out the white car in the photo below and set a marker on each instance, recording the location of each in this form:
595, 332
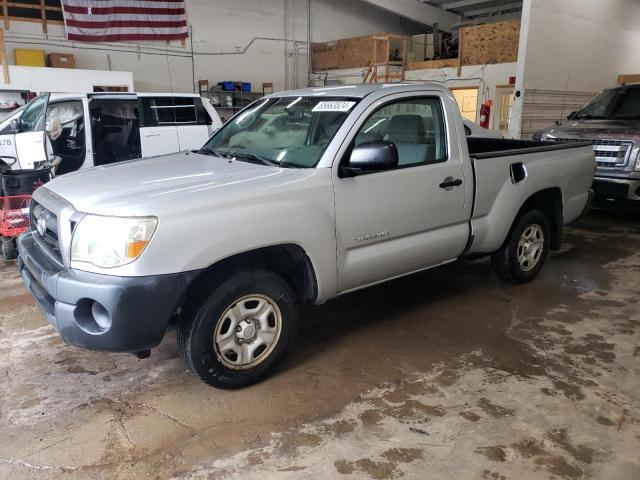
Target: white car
472, 129
87, 130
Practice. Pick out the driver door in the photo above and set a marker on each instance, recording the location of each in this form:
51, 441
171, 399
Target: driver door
30, 140
405, 219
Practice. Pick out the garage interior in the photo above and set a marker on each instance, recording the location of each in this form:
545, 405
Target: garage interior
448, 373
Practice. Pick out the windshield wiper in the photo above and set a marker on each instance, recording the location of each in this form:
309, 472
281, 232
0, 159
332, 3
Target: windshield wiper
209, 151
251, 157
589, 117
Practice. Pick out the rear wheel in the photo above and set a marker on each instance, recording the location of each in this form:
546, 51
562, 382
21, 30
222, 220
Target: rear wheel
241, 330
8, 248
525, 251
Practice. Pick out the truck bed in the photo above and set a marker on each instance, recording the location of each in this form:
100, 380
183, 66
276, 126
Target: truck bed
509, 171
494, 147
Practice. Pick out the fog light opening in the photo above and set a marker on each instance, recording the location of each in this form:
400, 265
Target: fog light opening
92, 317
100, 316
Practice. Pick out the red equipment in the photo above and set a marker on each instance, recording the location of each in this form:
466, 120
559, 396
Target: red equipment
14, 219
485, 112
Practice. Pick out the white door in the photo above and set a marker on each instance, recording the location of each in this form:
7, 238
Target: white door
412, 217
158, 131
31, 145
8, 154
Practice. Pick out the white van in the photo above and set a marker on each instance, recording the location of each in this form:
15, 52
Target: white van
121, 126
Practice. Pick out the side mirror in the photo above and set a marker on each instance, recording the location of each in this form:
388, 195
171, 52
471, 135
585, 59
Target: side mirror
370, 157
571, 115
14, 125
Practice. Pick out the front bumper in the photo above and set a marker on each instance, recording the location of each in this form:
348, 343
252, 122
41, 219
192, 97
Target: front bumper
617, 188
101, 312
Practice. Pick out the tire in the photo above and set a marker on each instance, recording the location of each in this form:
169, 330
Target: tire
525, 250
225, 340
8, 248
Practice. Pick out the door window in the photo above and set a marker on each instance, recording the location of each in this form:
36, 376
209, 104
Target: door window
33, 117
115, 130
416, 127
158, 112
185, 110
203, 116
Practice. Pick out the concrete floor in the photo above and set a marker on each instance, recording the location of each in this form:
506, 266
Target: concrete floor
449, 374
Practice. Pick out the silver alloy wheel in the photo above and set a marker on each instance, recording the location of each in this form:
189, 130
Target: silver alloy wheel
247, 332
530, 247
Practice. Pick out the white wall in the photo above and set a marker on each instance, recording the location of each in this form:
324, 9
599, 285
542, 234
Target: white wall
485, 77
222, 30
63, 80
574, 46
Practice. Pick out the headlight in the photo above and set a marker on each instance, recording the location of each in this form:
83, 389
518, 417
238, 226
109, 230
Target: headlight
111, 241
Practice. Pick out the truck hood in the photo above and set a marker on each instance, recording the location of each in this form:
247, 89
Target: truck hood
164, 184
621, 129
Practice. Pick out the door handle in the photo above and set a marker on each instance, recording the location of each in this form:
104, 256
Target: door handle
449, 182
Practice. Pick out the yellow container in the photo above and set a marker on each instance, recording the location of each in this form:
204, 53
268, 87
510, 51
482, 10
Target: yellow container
29, 57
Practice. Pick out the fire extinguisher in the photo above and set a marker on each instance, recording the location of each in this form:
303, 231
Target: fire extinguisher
485, 111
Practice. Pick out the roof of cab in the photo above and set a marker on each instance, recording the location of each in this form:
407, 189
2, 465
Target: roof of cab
71, 96
359, 90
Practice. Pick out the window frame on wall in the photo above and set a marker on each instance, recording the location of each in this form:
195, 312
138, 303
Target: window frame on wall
36, 11
461, 107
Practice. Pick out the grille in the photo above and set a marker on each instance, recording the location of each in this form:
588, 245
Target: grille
609, 153
49, 240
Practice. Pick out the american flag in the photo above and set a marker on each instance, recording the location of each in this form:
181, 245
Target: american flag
124, 20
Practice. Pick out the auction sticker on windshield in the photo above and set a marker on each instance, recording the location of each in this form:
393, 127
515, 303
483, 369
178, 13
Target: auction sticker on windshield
334, 106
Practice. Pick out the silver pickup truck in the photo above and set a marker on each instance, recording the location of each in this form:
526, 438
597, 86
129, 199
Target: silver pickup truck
303, 196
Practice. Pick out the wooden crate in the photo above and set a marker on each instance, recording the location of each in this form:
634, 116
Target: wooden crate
429, 64
490, 43
628, 78
353, 52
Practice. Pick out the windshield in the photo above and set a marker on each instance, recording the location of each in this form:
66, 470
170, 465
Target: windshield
614, 104
287, 131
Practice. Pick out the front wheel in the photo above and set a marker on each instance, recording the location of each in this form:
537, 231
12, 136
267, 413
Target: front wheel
241, 331
525, 251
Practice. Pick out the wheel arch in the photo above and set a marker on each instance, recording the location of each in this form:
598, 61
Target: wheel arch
549, 202
288, 260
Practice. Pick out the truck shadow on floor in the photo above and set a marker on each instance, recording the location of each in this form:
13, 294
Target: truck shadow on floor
455, 309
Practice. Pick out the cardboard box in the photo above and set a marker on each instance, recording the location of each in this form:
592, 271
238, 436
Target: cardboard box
27, 57
61, 60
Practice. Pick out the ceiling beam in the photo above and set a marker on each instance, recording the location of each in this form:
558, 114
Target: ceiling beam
495, 8
462, 3
418, 12
488, 19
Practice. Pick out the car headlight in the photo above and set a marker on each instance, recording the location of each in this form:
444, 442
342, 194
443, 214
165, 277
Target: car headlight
109, 242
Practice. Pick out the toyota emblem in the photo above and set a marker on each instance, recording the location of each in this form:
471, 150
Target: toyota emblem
41, 226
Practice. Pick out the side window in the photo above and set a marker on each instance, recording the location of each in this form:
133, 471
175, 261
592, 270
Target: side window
33, 117
416, 127
158, 111
5, 126
185, 110
201, 113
